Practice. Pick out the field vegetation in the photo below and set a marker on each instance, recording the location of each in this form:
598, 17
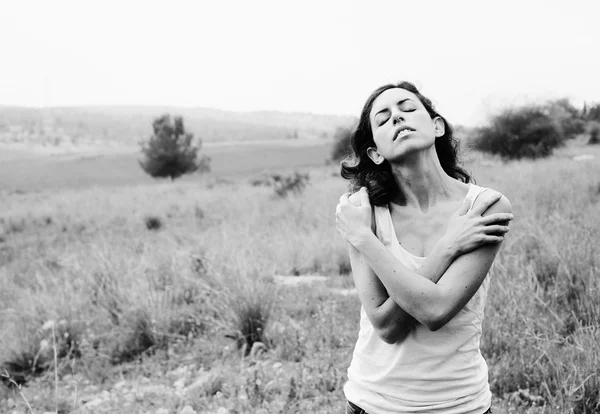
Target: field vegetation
25, 172
536, 130
193, 296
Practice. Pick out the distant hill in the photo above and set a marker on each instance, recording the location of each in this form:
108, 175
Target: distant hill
128, 125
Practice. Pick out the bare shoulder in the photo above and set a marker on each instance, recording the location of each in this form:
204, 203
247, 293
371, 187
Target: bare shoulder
501, 206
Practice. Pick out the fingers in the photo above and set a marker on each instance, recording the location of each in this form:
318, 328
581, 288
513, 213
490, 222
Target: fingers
343, 205
496, 230
354, 199
486, 199
358, 199
344, 200
364, 197
489, 239
496, 218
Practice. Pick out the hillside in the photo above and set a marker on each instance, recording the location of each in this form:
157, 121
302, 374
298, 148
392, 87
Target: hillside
26, 172
127, 125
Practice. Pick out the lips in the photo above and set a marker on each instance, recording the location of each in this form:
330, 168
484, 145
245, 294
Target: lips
403, 130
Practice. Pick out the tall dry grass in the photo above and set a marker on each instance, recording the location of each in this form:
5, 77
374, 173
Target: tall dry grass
202, 284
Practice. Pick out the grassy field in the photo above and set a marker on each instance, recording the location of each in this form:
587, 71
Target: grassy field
164, 297
20, 171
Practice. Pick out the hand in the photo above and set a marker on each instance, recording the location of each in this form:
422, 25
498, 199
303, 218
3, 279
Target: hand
352, 221
468, 230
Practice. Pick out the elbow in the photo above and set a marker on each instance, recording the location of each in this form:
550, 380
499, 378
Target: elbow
388, 336
435, 325
435, 319
393, 334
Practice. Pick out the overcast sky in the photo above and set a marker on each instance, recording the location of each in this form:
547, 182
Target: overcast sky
470, 57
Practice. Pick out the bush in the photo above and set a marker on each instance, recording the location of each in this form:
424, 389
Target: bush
153, 223
526, 132
35, 355
284, 184
244, 304
139, 337
341, 143
570, 120
169, 152
592, 113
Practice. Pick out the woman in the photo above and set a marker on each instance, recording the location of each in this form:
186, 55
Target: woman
422, 239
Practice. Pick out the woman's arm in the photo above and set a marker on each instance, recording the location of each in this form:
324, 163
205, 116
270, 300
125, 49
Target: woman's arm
379, 274
390, 321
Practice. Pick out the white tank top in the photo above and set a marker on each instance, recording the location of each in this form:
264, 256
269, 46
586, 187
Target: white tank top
428, 372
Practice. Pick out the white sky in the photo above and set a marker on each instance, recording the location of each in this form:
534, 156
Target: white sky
470, 57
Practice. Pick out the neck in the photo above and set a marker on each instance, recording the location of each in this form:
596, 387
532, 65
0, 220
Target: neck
422, 180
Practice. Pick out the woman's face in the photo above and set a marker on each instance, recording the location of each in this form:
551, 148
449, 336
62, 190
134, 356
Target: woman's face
401, 125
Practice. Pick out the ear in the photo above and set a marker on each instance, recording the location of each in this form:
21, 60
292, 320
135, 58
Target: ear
439, 127
375, 155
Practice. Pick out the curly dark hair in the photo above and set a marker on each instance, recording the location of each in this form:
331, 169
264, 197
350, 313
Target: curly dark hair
379, 179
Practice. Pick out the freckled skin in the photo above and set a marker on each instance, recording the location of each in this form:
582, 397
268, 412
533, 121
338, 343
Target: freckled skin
417, 231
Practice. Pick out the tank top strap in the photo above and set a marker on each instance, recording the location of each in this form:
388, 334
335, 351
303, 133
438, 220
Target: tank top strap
383, 225
474, 192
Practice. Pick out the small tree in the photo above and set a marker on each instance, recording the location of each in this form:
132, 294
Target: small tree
169, 152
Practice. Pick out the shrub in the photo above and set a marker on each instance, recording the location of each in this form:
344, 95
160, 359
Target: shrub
264, 180
341, 143
282, 184
569, 119
592, 113
248, 314
153, 223
31, 360
139, 338
169, 152
285, 184
526, 132
35, 355
244, 303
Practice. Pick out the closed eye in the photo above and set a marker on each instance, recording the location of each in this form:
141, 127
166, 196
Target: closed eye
407, 106
382, 121
382, 117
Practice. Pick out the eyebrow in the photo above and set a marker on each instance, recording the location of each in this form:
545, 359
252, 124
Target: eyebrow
387, 110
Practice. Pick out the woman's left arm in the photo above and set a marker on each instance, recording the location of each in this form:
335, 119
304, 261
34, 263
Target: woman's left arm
431, 304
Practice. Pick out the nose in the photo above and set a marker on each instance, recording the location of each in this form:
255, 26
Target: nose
397, 117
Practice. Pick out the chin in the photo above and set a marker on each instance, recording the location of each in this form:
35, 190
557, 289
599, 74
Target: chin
410, 148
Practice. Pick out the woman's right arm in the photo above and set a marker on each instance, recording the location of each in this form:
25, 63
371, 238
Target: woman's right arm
390, 321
